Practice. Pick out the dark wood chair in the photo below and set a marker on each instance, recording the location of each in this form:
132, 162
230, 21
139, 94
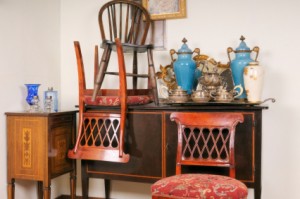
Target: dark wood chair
204, 139
101, 133
130, 22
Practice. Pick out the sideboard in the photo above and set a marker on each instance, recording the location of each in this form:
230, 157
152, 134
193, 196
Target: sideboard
151, 141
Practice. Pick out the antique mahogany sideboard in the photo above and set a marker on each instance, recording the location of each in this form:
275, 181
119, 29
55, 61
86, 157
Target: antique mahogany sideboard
151, 141
37, 145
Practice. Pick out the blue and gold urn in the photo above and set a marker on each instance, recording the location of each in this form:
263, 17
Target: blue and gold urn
241, 60
185, 67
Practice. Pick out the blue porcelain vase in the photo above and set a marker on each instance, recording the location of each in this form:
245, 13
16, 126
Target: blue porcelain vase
32, 90
185, 67
242, 59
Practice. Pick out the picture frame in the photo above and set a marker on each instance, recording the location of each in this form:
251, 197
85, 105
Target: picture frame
157, 35
165, 9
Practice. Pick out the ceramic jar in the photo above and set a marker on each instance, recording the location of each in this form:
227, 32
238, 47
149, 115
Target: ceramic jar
242, 59
253, 79
185, 67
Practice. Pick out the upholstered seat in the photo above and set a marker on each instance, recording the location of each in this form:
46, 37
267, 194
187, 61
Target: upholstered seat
201, 186
115, 100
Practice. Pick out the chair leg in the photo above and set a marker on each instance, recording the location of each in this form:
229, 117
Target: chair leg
232, 172
152, 80
134, 70
73, 181
80, 126
102, 69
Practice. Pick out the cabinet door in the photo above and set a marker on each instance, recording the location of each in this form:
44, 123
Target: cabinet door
143, 142
244, 150
61, 132
27, 147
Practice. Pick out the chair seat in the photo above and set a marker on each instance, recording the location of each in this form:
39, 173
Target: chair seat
127, 47
202, 186
115, 100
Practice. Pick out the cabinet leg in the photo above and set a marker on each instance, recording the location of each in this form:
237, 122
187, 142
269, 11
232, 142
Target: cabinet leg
11, 189
73, 185
47, 192
84, 180
107, 188
40, 190
257, 192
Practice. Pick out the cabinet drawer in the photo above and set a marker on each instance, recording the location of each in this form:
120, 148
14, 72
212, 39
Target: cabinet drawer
62, 119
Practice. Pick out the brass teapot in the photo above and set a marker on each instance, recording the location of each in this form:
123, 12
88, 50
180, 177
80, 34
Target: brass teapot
200, 95
223, 95
179, 95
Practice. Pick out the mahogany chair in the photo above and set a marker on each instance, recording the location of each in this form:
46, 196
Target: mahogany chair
101, 133
204, 139
130, 22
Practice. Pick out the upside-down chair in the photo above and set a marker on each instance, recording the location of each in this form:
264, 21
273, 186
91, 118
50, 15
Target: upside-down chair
101, 133
130, 22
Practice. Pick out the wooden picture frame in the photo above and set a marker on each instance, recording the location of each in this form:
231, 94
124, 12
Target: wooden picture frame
165, 9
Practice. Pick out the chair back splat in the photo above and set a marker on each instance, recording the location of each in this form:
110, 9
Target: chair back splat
128, 21
206, 139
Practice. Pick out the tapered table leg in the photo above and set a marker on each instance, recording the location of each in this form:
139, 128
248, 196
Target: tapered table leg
73, 184
11, 189
47, 190
40, 190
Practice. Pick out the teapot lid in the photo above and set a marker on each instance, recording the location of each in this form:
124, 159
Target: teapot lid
184, 48
243, 46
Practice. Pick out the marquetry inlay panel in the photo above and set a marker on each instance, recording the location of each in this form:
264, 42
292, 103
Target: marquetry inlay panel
61, 149
60, 145
27, 148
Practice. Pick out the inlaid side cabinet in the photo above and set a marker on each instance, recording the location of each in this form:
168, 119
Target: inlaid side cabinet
37, 145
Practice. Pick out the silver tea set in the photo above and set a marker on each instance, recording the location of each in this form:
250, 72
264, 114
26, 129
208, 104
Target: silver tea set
211, 87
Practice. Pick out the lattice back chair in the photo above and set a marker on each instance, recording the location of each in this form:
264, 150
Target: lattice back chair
100, 134
204, 139
130, 22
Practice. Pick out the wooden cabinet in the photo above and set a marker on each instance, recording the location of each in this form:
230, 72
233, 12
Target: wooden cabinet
151, 140
37, 145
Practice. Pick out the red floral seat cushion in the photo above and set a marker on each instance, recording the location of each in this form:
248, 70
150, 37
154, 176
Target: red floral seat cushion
202, 186
115, 100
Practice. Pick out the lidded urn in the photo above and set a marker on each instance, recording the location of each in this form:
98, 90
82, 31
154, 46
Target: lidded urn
185, 67
241, 60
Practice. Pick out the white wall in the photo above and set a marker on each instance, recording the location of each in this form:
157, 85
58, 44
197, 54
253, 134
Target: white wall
29, 52
213, 26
